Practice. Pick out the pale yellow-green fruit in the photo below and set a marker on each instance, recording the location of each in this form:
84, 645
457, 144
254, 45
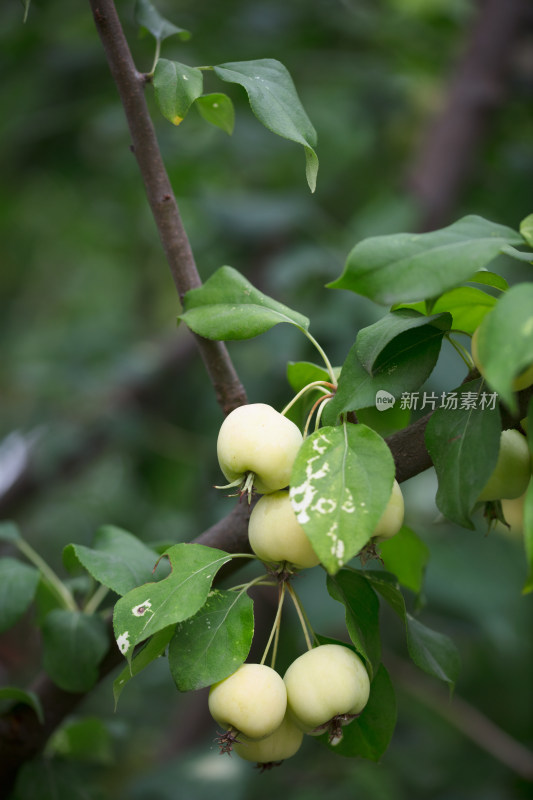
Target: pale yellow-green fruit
325, 682
513, 511
257, 438
522, 381
275, 534
512, 471
283, 743
252, 700
391, 520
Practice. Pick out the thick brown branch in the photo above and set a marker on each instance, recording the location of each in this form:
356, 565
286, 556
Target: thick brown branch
131, 85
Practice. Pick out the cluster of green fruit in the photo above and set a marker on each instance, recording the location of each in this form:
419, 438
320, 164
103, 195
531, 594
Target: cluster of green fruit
265, 716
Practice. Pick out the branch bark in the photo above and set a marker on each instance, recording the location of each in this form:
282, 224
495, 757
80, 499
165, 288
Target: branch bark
131, 85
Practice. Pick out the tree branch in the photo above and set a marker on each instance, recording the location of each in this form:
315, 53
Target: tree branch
131, 85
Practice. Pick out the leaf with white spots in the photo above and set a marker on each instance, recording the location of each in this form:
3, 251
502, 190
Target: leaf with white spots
211, 645
154, 648
151, 607
341, 482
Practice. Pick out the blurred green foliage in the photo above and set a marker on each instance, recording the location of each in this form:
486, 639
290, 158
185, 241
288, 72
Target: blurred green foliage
87, 298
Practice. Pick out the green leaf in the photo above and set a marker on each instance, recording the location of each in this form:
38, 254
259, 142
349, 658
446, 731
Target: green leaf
302, 373
218, 110
176, 86
154, 606
299, 375
351, 588
54, 779
467, 305
433, 652
487, 278
117, 559
147, 16
374, 339
402, 367
341, 482
385, 421
154, 648
526, 229
23, 696
275, 102
406, 556
86, 740
211, 645
505, 341
18, 584
409, 267
369, 735
463, 444
73, 646
228, 307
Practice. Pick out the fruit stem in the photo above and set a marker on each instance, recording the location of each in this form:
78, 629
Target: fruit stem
310, 415
304, 622
275, 626
320, 385
320, 410
243, 587
463, 352
324, 356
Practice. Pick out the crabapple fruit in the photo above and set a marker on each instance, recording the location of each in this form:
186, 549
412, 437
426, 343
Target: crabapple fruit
391, 520
257, 439
283, 743
324, 684
512, 471
275, 534
252, 701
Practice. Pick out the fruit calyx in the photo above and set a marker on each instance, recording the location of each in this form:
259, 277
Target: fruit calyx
267, 765
334, 727
244, 486
227, 739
